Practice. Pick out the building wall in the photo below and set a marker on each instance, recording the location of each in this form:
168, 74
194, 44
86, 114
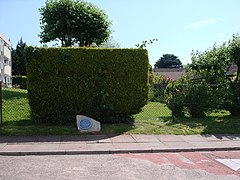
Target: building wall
5, 61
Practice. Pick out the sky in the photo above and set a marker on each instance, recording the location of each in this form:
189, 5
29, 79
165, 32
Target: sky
179, 25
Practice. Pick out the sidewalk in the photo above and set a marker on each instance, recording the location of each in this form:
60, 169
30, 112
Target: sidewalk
103, 144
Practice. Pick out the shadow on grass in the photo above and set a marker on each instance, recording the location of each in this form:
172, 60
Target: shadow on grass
26, 130
22, 122
222, 125
211, 125
116, 129
9, 94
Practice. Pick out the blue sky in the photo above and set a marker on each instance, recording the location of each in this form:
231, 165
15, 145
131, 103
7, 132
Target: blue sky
179, 25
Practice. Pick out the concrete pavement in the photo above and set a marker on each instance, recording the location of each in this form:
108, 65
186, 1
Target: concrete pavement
103, 144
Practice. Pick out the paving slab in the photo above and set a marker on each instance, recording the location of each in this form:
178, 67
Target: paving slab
232, 143
72, 146
103, 144
144, 138
178, 144
2, 145
123, 138
97, 147
217, 144
31, 147
226, 137
95, 138
221, 137
166, 138
193, 138
132, 146
201, 144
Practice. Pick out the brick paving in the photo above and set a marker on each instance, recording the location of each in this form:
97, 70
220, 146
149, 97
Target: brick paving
207, 161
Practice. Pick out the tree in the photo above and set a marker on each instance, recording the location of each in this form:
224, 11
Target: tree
73, 22
144, 44
212, 66
110, 43
168, 61
18, 61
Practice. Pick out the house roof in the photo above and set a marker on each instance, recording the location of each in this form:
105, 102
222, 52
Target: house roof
176, 73
5, 39
232, 69
171, 73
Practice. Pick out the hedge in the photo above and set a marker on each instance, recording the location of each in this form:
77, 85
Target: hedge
106, 84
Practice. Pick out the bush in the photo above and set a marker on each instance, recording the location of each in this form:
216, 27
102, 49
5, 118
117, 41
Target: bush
158, 87
174, 98
195, 97
232, 98
198, 99
20, 81
105, 84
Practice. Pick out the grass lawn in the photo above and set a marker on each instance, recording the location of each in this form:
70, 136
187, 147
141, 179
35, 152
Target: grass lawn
155, 118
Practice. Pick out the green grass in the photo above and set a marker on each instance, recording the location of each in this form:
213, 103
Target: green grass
155, 118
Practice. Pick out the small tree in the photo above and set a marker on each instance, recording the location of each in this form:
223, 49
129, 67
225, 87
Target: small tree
212, 66
72, 21
18, 61
110, 43
168, 61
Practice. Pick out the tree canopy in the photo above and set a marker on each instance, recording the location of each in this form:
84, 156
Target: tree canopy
18, 61
73, 22
213, 67
168, 61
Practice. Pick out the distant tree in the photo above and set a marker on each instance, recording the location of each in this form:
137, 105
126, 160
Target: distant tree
144, 44
168, 61
110, 43
73, 22
18, 61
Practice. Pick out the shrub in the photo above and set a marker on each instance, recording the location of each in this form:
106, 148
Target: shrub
195, 97
20, 81
174, 98
198, 99
232, 98
158, 87
105, 84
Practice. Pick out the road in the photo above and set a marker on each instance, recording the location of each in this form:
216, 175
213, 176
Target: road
169, 166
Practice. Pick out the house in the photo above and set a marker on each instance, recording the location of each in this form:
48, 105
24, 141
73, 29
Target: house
5, 61
171, 73
176, 73
232, 70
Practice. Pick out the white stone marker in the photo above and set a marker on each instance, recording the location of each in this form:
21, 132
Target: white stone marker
86, 124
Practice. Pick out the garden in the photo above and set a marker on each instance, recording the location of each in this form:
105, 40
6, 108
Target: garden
125, 100
115, 86
155, 118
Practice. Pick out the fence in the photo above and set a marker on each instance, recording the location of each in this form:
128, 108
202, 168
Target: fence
15, 107
191, 100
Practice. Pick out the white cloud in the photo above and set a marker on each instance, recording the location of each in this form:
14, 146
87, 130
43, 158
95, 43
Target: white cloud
204, 23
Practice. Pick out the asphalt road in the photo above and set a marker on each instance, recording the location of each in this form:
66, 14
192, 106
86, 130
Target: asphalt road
192, 165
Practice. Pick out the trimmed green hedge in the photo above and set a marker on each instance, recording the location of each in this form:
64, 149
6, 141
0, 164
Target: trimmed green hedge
105, 84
